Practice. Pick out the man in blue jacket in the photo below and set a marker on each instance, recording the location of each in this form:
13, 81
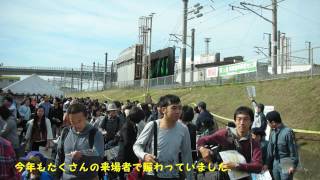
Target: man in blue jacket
282, 155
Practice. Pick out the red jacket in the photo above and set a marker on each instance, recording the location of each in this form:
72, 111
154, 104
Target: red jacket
221, 138
7, 161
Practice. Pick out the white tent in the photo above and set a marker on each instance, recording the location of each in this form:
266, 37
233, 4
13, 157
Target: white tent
33, 85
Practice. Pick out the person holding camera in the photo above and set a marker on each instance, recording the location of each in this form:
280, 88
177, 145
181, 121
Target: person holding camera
239, 139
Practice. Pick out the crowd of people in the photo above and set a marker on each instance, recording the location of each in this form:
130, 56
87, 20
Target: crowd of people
86, 131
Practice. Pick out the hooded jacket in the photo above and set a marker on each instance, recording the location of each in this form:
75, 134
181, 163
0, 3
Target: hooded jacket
75, 141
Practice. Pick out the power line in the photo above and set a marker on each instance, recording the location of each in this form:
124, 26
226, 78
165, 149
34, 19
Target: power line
299, 15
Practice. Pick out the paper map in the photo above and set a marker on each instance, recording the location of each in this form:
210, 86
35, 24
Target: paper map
236, 157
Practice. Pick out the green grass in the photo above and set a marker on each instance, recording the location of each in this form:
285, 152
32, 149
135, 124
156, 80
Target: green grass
297, 99
10, 77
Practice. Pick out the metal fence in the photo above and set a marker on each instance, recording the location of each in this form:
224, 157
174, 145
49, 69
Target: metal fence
293, 64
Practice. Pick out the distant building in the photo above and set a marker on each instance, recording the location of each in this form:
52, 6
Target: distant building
129, 64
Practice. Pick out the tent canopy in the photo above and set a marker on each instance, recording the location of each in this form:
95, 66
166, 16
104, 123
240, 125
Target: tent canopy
33, 85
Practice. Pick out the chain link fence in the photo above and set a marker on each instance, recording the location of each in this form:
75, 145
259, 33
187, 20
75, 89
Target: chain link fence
295, 64
290, 65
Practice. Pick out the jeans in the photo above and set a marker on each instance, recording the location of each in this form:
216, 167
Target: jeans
278, 173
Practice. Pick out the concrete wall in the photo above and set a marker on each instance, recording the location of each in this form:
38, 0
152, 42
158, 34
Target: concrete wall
126, 71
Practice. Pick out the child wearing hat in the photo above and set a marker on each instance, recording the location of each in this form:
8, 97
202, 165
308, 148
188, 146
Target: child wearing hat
36, 158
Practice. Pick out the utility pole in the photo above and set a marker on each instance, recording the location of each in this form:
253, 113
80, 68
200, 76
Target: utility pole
98, 71
143, 39
282, 39
145, 49
196, 11
192, 55
111, 72
72, 80
105, 72
93, 74
81, 76
78, 82
278, 47
288, 52
64, 78
274, 33
309, 51
184, 41
269, 45
274, 26
149, 59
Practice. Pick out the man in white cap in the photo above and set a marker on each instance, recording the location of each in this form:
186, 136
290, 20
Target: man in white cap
111, 124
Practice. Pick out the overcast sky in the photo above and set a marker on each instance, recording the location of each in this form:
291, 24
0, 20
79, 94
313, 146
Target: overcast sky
66, 33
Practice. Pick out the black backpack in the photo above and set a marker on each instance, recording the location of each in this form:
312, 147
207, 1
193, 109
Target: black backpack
64, 134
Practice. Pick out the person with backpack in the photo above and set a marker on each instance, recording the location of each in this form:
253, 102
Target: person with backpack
80, 143
162, 140
239, 139
205, 122
111, 125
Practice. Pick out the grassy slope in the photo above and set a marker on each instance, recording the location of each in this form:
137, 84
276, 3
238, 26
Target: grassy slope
298, 99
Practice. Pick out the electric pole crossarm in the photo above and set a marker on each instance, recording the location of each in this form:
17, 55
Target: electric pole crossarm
176, 36
246, 8
236, 7
259, 6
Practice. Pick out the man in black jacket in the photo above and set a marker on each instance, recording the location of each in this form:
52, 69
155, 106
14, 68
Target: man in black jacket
128, 136
111, 125
205, 122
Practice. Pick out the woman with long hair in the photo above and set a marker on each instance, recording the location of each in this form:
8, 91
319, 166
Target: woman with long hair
39, 132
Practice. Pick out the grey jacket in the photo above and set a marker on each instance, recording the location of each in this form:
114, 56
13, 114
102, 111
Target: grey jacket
80, 142
9, 131
282, 145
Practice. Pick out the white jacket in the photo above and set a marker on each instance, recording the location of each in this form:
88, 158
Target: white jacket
48, 125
